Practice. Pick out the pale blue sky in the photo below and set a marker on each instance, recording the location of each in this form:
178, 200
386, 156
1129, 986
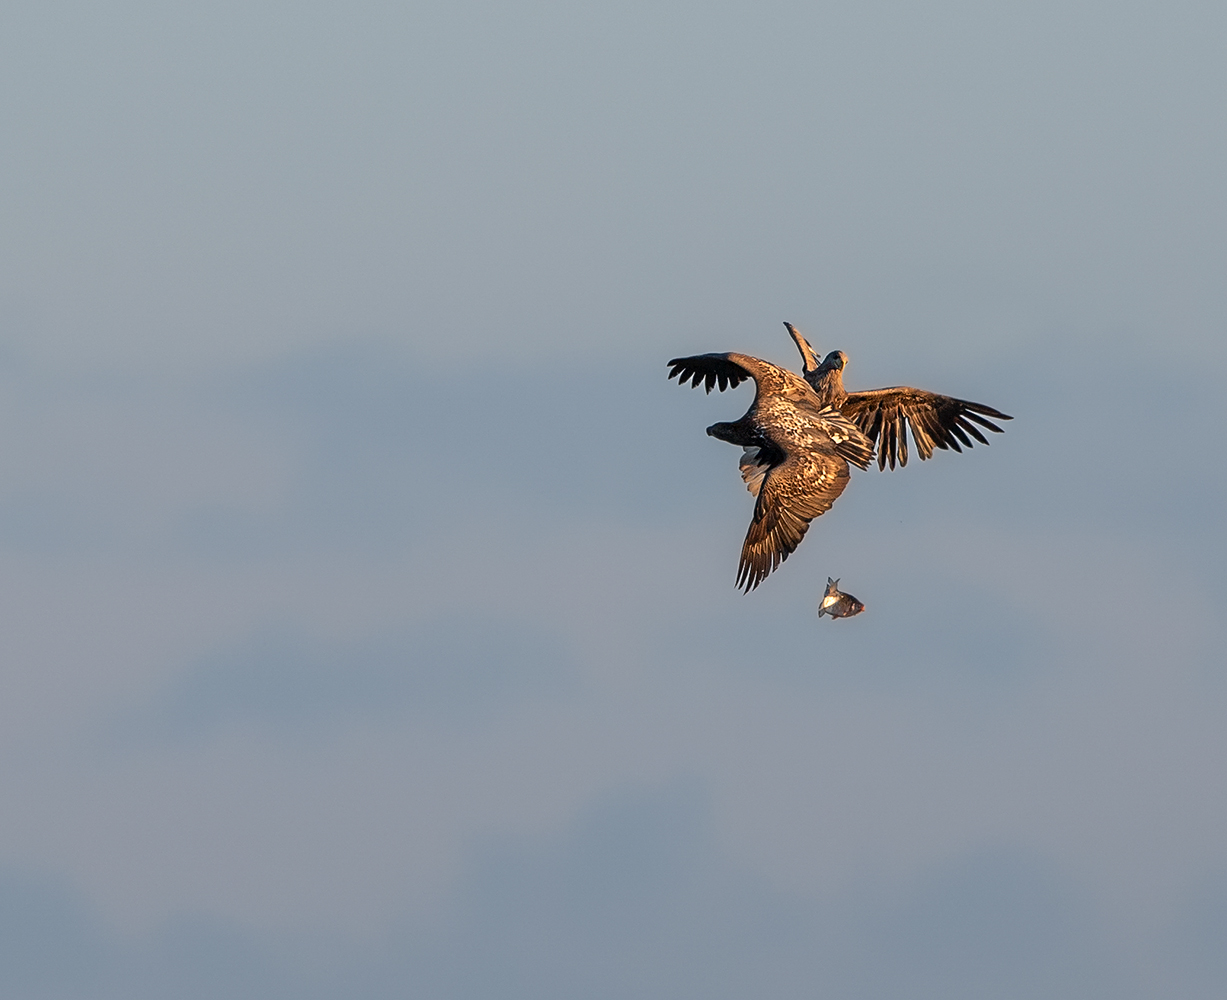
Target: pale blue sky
368, 597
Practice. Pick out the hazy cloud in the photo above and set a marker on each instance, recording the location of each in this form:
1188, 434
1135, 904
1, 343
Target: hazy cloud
456, 670
367, 591
636, 897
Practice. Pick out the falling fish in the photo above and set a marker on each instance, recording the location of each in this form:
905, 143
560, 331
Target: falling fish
838, 604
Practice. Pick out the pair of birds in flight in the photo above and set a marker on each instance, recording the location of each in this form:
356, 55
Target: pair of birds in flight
801, 432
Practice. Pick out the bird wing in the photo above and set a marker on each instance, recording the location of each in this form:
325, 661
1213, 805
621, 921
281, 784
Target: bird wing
846, 436
793, 493
730, 370
710, 369
754, 466
798, 463
808, 357
781, 397
885, 415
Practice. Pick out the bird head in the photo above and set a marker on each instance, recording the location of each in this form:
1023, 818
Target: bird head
835, 361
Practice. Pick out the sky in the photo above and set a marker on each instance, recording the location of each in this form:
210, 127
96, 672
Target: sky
368, 609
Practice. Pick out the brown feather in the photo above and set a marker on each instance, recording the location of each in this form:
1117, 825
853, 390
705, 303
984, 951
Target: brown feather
935, 421
797, 454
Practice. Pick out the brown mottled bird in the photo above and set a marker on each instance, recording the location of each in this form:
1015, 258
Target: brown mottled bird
837, 604
796, 453
886, 415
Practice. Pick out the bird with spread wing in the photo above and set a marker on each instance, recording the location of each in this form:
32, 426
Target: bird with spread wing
886, 415
800, 434
796, 453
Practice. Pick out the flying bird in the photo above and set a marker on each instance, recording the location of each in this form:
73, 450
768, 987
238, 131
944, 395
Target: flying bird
796, 453
886, 415
837, 604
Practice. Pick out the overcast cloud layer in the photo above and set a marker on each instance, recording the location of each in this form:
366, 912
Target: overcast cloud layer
368, 608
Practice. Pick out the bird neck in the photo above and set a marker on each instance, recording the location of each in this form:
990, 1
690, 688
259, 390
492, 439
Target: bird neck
829, 385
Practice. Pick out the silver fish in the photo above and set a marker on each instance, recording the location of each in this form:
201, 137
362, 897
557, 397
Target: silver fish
838, 604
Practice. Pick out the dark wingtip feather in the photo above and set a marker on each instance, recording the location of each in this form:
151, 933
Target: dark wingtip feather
988, 411
973, 430
971, 415
709, 370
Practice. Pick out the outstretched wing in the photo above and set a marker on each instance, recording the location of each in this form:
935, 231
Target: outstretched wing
710, 369
808, 357
730, 370
792, 494
936, 421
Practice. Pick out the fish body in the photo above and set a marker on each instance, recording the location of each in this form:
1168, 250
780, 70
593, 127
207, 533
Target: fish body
838, 604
